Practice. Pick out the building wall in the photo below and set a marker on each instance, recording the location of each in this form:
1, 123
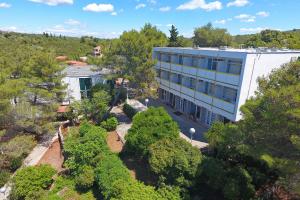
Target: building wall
73, 86
258, 65
253, 65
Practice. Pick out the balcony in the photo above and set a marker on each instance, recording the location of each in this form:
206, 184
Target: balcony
188, 91
175, 86
228, 78
164, 82
224, 105
203, 97
205, 73
176, 67
165, 65
189, 70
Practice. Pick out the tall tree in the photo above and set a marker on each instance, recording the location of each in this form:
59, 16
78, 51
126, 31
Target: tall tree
173, 39
208, 36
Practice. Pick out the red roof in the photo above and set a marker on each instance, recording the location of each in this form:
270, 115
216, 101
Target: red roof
61, 58
62, 109
76, 63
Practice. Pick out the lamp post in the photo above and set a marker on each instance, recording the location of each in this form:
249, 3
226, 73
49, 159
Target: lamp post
146, 102
192, 132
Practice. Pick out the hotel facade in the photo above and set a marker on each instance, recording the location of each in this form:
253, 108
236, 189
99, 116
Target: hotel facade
209, 84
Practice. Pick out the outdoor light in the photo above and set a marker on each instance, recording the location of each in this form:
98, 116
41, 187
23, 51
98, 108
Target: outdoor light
192, 132
146, 101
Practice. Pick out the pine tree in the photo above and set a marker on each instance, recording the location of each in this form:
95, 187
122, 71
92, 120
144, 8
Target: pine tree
173, 39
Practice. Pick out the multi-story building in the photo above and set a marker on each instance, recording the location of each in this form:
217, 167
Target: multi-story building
209, 84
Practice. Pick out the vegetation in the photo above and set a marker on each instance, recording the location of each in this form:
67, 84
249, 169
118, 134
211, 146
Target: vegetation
30, 182
262, 148
13, 153
129, 110
147, 128
175, 161
208, 36
110, 124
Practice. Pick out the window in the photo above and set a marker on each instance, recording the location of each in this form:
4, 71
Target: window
180, 60
209, 63
158, 73
85, 87
234, 67
229, 95
212, 88
195, 61
206, 85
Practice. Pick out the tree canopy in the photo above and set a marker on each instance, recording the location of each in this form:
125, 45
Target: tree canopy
148, 127
209, 36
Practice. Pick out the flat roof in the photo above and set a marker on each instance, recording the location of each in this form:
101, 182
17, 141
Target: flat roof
261, 50
84, 71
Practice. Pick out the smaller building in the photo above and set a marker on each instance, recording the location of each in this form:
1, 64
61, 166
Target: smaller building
97, 51
80, 79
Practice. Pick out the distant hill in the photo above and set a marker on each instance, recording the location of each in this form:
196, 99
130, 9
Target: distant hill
72, 47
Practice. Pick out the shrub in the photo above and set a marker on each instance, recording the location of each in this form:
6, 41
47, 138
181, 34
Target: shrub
169, 193
147, 128
85, 150
110, 124
110, 170
15, 163
85, 179
4, 177
84, 128
176, 160
129, 110
135, 190
31, 180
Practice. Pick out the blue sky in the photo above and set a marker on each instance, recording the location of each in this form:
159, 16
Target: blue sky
109, 18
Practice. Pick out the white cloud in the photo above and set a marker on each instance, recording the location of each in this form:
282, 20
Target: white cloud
252, 30
53, 2
222, 21
72, 22
169, 25
263, 14
165, 9
200, 4
141, 5
152, 1
114, 13
93, 7
238, 3
5, 5
246, 18
9, 28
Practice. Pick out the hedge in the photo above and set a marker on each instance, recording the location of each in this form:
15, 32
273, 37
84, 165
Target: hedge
110, 124
31, 181
111, 175
129, 110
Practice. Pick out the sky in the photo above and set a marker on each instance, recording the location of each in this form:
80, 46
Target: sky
109, 18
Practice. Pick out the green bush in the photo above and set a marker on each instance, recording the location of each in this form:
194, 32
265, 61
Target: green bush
85, 179
85, 150
129, 110
110, 124
84, 128
147, 128
134, 190
15, 163
169, 192
110, 170
31, 180
176, 160
4, 177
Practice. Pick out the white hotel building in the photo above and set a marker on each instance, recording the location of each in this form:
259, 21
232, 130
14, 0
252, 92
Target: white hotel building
211, 84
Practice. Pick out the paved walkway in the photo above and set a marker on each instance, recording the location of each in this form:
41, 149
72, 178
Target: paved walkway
125, 124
